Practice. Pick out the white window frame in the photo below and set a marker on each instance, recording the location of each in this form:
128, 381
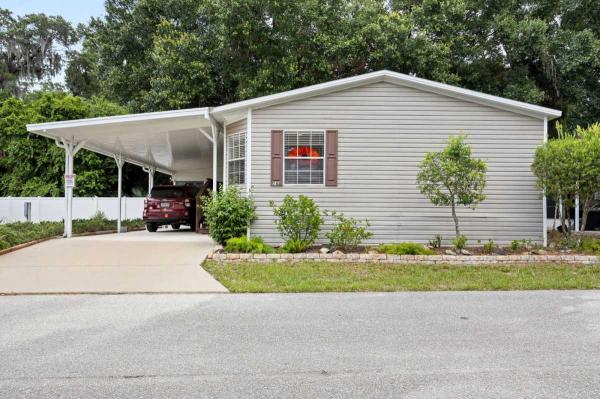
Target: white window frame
243, 157
321, 157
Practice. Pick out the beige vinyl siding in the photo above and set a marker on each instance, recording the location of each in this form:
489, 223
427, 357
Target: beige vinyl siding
384, 132
232, 128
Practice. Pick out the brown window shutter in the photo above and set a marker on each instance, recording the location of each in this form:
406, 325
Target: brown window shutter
276, 157
331, 159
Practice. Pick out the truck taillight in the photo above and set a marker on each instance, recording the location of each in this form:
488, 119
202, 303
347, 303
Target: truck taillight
188, 203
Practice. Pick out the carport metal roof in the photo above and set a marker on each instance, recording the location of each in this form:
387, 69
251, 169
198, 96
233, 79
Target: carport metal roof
169, 141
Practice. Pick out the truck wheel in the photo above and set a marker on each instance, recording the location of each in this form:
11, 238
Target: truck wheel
176, 226
151, 227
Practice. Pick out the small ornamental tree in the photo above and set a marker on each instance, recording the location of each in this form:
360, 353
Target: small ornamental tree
556, 169
588, 183
228, 214
452, 177
569, 167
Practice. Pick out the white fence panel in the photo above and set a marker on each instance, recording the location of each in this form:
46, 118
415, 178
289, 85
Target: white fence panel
12, 209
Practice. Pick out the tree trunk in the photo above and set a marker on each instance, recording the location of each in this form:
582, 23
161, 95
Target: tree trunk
455, 220
587, 205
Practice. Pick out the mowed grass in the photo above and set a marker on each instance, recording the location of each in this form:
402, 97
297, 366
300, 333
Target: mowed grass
350, 277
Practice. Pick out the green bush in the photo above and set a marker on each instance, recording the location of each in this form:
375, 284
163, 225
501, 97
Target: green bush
404, 248
228, 214
293, 246
489, 247
590, 245
242, 244
460, 243
520, 245
347, 234
298, 222
436, 242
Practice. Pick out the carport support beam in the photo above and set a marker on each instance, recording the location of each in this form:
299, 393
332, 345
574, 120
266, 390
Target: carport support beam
150, 170
215, 143
120, 162
71, 149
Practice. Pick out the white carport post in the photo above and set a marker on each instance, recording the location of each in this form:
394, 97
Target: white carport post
150, 170
120, 163
71, 149
215, 143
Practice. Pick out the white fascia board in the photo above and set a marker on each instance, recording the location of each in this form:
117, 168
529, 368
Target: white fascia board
297, 94
471, 95
394, 78
148, 116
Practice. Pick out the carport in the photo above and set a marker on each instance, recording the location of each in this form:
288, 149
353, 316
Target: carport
183, 144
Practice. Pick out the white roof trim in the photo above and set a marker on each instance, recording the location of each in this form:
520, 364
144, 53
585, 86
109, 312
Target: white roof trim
391, 77
148, 116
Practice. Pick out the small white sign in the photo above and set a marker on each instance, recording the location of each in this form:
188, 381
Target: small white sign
69, 181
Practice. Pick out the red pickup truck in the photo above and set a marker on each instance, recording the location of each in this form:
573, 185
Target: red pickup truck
170, 205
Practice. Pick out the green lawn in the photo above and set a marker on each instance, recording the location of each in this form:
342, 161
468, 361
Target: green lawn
338, 277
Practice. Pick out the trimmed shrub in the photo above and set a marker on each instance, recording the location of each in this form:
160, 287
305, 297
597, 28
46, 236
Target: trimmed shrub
242, 244
347, 233
298, 222
227, 214
404, 248
460, 243
436, 242
489, 247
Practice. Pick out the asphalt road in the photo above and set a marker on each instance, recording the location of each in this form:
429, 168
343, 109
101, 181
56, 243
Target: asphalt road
419, 345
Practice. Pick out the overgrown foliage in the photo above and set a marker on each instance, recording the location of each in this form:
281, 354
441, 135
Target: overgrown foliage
404, 248
32, 165
452, 177
254, 245
228, 214
298, 222
347, 233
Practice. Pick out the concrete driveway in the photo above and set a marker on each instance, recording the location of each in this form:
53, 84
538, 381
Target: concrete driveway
136, 262
537, 344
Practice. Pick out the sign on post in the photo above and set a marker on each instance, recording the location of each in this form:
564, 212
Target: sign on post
69, 181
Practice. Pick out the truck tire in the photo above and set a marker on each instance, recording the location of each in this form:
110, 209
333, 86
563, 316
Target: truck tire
151, 227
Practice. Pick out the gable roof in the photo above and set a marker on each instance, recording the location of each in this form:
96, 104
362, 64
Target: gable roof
223, 112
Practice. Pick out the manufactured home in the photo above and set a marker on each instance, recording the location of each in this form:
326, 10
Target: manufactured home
353, 145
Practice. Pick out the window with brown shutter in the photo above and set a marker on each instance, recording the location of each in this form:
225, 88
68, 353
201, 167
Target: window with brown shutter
331, 168
276, 157
300, 157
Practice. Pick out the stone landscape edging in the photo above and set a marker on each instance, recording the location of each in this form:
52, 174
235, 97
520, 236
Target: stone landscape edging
406, 259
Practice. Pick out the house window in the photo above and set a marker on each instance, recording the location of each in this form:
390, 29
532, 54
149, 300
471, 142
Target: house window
236, 158
303, 153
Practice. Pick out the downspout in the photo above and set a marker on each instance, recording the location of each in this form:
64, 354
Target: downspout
544, 199
248, 162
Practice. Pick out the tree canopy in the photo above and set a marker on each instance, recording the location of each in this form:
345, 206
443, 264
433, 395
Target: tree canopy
150, 55
32, 165
157, 54
32, 48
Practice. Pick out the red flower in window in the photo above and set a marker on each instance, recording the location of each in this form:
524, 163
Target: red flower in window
305, 151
